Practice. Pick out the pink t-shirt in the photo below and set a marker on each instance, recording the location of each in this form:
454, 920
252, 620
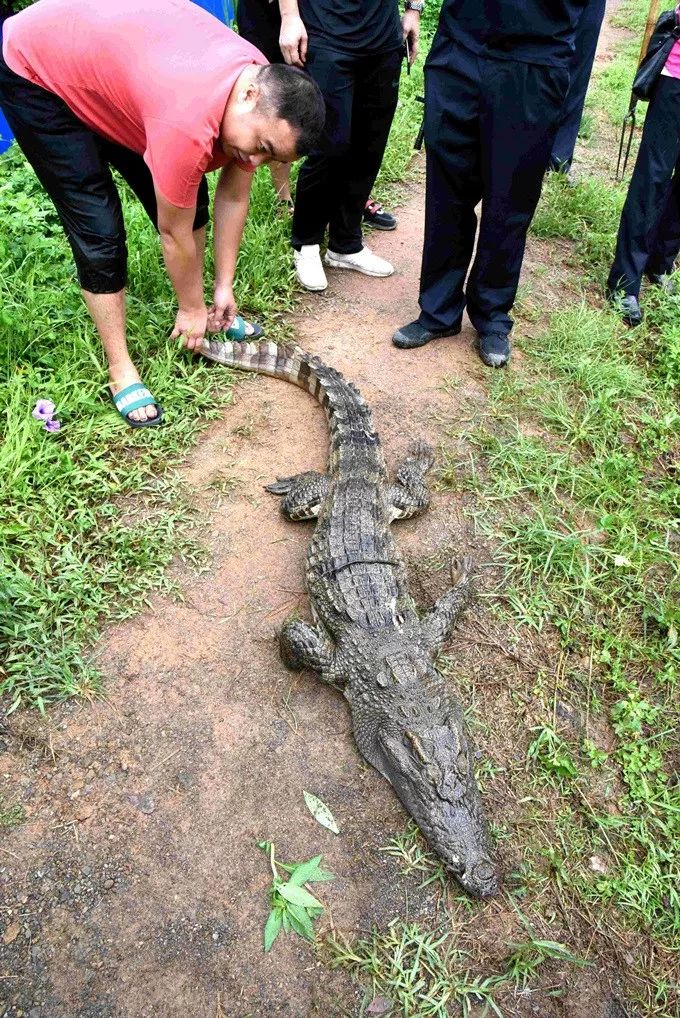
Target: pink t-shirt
671, 69
153, 75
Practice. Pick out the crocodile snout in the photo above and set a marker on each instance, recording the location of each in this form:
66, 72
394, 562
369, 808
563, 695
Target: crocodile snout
479, 879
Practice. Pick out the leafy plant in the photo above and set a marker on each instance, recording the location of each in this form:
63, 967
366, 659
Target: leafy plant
293, 908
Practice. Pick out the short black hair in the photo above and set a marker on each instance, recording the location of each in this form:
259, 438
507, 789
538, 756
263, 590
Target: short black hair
290, 94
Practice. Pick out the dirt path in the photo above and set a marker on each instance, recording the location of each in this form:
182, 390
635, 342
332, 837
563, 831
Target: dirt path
135, 887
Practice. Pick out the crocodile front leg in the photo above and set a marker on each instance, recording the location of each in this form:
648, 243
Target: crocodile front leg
409, 496
304, 494
439, 621
304, 646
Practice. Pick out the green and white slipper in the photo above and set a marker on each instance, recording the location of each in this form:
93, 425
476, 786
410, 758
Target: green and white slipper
134, 397
240, 329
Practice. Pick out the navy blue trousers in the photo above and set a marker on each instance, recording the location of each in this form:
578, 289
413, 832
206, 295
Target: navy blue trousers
649, 232
580, 69
489, 129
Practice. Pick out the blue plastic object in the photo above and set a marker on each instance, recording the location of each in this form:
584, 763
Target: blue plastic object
222, 9
6, 136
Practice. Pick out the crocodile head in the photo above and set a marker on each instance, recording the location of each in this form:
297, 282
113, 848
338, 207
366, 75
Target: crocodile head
430, 768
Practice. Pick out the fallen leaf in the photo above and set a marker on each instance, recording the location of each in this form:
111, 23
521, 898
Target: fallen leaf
321, 812
11, 933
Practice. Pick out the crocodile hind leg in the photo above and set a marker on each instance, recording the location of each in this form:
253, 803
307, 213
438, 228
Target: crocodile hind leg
439, 621
304, 646
409, 496
303, 494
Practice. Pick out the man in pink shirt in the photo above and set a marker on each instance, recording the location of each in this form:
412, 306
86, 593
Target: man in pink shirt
163, 92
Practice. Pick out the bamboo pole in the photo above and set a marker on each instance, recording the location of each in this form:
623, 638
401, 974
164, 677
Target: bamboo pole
652, 16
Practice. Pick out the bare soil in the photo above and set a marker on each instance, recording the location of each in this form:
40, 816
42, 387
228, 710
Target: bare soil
135, 887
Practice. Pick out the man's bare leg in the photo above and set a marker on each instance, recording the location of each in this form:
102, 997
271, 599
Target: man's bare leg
281, 180
108, 315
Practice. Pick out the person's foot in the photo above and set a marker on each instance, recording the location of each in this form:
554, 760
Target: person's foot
410, 336
361, 261
119, 380
663, 280
308, 267
494, 349
627, 306
375, 215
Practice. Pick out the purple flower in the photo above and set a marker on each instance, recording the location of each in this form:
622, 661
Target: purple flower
52, 425
43, 410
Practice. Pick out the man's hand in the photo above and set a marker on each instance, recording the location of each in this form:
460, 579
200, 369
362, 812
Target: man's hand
190, 325
410, 30
293, 40
222, 313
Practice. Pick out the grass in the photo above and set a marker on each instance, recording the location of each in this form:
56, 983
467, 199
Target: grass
91, 517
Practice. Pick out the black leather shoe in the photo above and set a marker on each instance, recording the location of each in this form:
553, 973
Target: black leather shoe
628, 307
494, 349
414, 334
663, 280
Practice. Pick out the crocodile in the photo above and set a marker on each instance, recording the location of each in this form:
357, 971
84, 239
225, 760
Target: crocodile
366, 638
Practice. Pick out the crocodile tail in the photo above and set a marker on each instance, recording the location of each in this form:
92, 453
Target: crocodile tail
290, 362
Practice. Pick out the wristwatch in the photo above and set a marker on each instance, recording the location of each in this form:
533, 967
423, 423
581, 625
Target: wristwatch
414, 5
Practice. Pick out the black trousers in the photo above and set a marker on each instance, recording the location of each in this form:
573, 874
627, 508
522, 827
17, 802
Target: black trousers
649, 232
489, 128
335, 181
580, 69
73, 164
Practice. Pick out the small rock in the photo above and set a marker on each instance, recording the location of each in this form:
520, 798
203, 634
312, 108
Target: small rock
185, 780
144, 803
597, 865
85, 812
379, 1006
108, 884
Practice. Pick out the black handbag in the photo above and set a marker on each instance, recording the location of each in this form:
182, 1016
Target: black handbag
662, 40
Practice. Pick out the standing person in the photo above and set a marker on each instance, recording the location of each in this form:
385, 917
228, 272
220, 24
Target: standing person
354, 50
495, 82
261, 23
580, 70
163, 92
649, 231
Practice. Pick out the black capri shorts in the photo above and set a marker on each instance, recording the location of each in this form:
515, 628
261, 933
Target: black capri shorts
73, 163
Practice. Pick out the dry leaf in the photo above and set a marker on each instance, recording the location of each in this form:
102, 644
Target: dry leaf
11, 933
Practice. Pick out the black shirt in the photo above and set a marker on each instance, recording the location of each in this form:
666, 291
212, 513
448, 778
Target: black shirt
365, 26
531, 31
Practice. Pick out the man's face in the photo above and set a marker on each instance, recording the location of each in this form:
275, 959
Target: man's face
252, 135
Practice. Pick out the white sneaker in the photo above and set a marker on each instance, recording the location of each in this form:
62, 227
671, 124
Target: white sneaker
363, 261
308, 267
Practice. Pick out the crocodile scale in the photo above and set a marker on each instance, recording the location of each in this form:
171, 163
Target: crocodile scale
366, 638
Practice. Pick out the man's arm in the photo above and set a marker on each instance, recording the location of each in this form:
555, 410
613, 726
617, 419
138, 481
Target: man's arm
185, 269
231, 208
293, 35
